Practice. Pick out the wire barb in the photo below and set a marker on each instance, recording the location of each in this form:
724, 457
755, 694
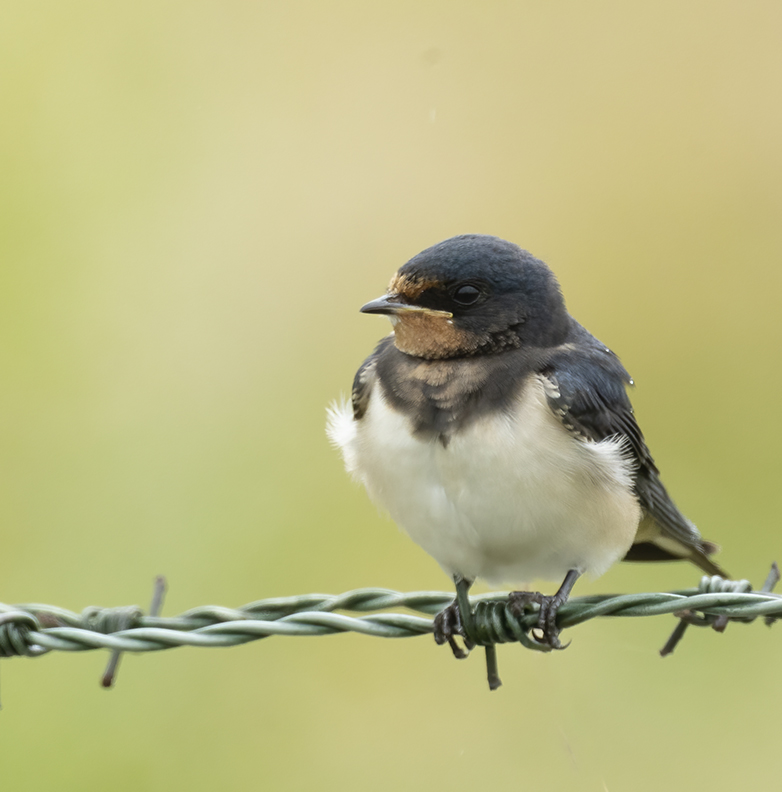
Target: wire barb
719, 621
119, 619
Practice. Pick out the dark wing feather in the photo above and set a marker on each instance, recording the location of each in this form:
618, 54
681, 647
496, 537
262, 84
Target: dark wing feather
586, 390
365, 379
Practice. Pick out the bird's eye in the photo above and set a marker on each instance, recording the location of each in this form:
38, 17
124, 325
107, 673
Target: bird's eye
467, 294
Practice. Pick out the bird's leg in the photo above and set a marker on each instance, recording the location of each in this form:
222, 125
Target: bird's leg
549, 606
449, 622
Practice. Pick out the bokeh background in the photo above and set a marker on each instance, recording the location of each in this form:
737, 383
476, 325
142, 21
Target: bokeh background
196, 197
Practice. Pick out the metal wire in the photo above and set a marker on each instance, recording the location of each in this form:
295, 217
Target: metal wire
33, 629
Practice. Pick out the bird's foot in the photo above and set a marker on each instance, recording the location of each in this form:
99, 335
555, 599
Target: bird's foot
447, 625
546, 633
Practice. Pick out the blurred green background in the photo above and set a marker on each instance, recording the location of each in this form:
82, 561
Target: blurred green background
195, 200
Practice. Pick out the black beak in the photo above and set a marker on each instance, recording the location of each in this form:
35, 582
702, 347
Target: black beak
390, 304
382, 305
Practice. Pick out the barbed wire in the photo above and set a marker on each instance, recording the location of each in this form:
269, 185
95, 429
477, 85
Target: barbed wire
34, 629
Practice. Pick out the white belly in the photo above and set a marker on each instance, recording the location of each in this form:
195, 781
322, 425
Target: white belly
511, 498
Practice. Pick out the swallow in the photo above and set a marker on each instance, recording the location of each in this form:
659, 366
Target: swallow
498, 434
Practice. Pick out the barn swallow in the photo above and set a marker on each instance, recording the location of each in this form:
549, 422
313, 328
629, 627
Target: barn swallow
497, 432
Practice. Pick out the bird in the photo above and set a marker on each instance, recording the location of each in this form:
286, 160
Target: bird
497, 432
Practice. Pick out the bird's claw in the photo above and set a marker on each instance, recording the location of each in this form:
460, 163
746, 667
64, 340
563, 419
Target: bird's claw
546, 633
447, 625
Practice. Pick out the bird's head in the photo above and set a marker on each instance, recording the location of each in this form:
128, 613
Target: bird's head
472, 295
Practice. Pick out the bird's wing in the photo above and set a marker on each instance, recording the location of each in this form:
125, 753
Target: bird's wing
365, 379
586, 391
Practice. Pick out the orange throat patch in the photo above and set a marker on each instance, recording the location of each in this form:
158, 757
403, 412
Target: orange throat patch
432, 337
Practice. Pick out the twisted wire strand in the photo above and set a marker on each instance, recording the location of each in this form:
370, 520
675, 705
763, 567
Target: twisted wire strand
35, 629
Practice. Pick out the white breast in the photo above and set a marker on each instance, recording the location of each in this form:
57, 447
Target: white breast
511, 498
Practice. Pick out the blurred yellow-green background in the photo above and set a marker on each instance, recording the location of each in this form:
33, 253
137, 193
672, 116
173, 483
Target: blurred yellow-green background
195, 199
